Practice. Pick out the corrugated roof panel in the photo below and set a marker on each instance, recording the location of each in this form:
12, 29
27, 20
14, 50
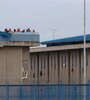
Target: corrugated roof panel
68, 40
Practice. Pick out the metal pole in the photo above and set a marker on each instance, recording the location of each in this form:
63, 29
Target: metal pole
53, 30
84, 50
54, 34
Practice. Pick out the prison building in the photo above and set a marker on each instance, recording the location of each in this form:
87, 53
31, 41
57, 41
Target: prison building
14, 56
61, 61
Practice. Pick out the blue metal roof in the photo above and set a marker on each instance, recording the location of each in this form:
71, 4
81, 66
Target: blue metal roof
19, 36
67, 40
4, 34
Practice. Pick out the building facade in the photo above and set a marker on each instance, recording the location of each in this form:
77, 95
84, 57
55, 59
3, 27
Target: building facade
61, 61
14, 57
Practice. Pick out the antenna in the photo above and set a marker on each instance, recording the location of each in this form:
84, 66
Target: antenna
53, 31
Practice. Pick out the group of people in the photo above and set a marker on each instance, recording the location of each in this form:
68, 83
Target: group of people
18, 30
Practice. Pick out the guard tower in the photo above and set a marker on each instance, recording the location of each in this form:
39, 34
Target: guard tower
14, 56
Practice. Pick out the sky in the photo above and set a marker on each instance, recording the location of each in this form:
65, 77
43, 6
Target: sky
63, 16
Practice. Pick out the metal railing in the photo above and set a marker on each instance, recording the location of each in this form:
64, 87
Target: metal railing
44, 92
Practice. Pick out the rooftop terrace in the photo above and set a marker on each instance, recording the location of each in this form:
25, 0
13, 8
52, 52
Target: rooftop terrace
19, 38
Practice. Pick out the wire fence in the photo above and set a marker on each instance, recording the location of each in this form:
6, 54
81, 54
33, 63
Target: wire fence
44, 92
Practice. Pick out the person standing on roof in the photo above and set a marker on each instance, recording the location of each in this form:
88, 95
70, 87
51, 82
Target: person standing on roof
6, 30
18, 30
14, 30
28, 30
23, 30
10, 30
33, 31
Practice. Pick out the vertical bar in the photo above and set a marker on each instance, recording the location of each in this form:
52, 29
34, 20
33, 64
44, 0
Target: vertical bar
84, 49
34, 92
89, 93
21, 96
62, 92
47, 93
7, 97
70, 87
80, 66
48, 67
58, 67
65, 91
75, 92
69, 67
58, 92
37, 68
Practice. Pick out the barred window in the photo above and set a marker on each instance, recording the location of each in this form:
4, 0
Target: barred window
62, 61
51, 61
31, 63
72, 60
55, 62
41, 62
34, 63
44, 62
76, 60
65, 60
86, 58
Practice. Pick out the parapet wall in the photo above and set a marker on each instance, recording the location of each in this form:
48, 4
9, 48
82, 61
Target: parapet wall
19, 39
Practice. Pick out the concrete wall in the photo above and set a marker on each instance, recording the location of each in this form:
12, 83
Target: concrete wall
53, 67
75, 66
43, 68
63, 66
12, 60
2, 66
25, 65
33, 69
87, 65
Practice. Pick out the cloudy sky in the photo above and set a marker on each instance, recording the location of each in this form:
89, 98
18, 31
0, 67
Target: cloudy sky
65, 16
